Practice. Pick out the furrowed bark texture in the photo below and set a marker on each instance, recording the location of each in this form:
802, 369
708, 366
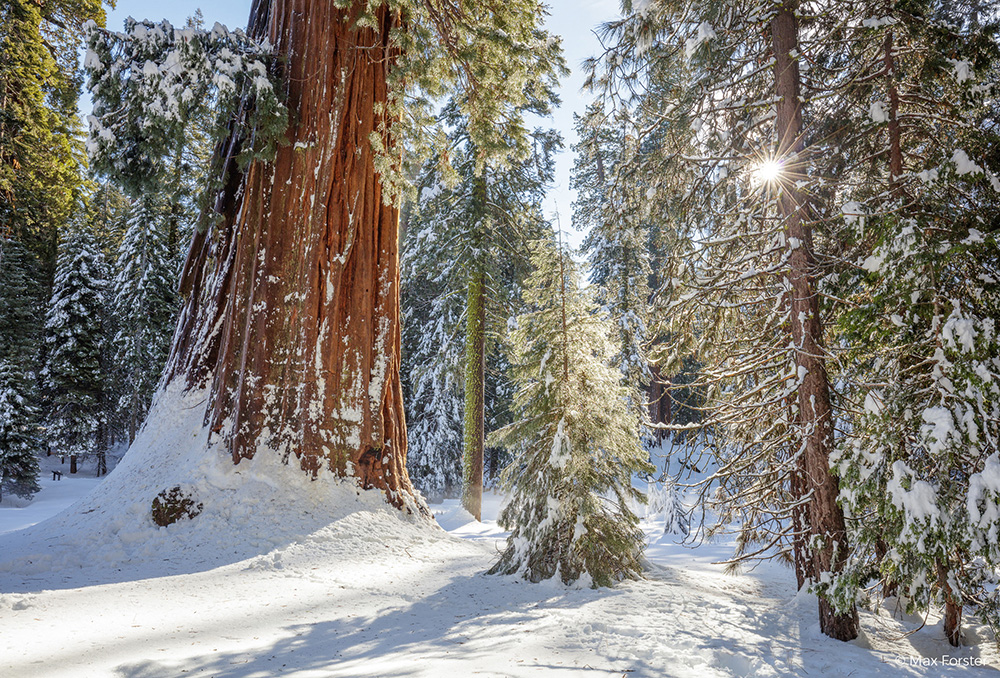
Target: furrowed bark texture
291, 314
826, 520
474, 423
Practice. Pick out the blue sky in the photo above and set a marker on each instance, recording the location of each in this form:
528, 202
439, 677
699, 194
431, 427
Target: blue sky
574, 20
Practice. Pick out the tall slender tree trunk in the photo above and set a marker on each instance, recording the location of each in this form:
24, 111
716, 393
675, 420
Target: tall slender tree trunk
889, 588
895, 143
826, 520
474, 425
474, 428
291, 315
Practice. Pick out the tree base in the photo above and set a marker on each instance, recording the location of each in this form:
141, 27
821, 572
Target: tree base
249, 509
838, 626
953, 623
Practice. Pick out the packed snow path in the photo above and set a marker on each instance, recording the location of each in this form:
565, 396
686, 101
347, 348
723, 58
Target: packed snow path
371, 596
335, 583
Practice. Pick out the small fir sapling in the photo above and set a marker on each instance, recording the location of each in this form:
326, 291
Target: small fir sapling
576, 442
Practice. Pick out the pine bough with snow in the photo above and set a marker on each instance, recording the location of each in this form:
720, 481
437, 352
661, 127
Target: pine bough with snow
919, 461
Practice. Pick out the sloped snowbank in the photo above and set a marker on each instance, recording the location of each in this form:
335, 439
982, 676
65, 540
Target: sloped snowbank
248, 509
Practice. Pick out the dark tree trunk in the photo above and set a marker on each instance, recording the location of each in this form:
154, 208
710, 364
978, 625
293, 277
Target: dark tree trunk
291, 316
825, 518
72, 463
659, 402
895, 144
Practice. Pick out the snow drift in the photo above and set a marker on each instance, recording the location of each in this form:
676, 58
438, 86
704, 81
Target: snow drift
248, 509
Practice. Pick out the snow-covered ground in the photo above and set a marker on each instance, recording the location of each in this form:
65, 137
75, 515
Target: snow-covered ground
281, 576
56, 495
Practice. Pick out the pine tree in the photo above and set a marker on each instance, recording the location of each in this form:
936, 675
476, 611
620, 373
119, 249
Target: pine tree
40, 152
576, 443
433, 311
73, 375
107, 214
19, 444
19, 292
144, 310
920, 275
609, 208
465, 258
716, 97
626, 243
20, 329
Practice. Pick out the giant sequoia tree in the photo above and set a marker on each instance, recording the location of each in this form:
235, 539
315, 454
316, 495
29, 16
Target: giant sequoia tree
291, 312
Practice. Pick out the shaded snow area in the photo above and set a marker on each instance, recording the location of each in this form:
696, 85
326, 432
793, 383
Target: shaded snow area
283, 576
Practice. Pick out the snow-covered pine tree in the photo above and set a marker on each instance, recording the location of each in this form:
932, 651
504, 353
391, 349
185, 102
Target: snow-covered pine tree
155, 85
433, 345
609, 207
575, 440
20, 328
465, 258
719, 89
19, 443
20, 323
921, 276
73, 376
144, 310
107, 214
667, 506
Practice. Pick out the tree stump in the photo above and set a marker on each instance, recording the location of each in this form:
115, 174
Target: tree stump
171, 505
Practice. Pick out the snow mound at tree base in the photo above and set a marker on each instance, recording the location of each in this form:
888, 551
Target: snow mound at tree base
248, 510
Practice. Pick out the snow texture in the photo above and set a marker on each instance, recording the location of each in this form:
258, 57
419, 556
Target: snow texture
282, 576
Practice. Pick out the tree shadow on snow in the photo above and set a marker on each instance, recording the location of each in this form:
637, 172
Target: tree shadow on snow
479, 624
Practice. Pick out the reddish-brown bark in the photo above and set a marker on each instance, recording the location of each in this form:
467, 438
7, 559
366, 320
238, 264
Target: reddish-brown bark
895, 145
660, 410
825, 518
952, 607
291, 314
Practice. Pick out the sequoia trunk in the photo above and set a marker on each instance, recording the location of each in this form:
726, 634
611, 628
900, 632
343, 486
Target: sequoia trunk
825, 519
291, 314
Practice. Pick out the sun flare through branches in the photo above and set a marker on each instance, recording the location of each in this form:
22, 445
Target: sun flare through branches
767, 172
